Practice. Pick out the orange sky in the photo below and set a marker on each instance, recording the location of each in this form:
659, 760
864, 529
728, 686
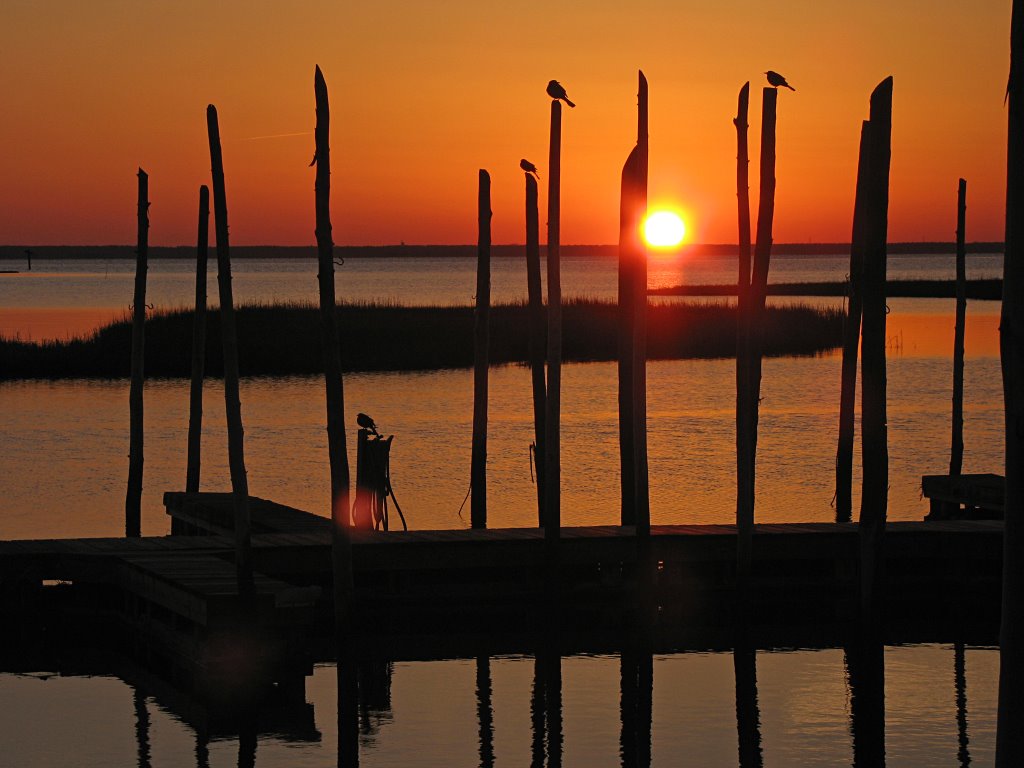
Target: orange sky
424, 94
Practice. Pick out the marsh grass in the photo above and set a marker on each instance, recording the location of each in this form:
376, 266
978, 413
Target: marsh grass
281, 339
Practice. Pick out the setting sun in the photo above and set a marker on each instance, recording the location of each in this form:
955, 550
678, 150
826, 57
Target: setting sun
664, 229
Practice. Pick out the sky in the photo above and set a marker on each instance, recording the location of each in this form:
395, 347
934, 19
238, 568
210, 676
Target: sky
425, 94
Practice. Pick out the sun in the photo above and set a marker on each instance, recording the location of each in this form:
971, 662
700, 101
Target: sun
664, 229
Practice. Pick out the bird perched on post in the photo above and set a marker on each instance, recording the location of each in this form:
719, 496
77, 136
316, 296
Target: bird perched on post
775, 80
529, 167
556, 91
366, 422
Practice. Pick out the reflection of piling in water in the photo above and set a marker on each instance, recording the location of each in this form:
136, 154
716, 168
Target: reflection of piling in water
851, 335
636, 698
481, 355
865, 669
956, 451
748, 713
229, 341
536, 347
484, 711
960, 682
1009, 734
142, 749
195, 411
874, 493
133, 499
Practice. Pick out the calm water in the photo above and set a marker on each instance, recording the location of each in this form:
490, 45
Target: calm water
65, 464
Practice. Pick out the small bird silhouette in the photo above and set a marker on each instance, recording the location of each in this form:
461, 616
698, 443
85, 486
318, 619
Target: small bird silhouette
556, 91
529, 167
366, 422
775, 80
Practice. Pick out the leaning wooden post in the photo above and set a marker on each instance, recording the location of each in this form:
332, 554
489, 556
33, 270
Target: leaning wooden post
956, 453
642, 502
195, 401
536, 300
337, 450
743, 437
851, 336
552, 435
874, 493
755, 310
232, 402
481, 354
1009, 734
133, 500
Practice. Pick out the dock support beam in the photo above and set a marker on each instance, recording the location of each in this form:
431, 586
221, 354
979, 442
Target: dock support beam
133, 499
481, 354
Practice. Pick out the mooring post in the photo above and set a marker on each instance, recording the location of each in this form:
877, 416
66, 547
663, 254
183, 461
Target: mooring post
481, 354
755, 311
875, 459
229, 339
552, 437
536, 300
642, 502
133, 499
195, 400
337, 451
851, 335
1009, 734
956, 452
742, 300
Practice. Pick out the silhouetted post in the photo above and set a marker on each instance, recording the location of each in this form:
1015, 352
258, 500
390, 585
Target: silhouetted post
851, 335
642, 502
755, 310
28, 255
536, 299
232, 402
337, 450
748, 713
481, 354
484, 711
743, 437
195, 399
552, 436
1009, 734
956, 452
874, 493
133, 500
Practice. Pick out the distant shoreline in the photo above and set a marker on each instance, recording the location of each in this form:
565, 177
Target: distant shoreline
16, 253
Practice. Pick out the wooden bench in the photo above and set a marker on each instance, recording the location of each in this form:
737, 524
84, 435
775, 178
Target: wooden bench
964, 497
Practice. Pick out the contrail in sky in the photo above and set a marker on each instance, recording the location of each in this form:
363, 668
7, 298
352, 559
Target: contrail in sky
277, 136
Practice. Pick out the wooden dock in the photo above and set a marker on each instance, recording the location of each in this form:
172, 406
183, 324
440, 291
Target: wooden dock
172, 599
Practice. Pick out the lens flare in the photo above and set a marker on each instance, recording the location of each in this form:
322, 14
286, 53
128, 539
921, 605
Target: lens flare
664, 229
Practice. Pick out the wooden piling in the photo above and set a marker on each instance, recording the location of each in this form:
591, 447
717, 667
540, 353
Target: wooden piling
851, 336
537, 320
337, 450
133, 499
1009, 734
552, 432
229, 339
754, 312
195, 399
956, 452
481, 354
642, 502
875, 457
744, 439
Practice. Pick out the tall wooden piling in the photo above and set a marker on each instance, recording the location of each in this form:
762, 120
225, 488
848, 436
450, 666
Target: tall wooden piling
481, 354
195, 398
553, 423
642, 502
1009, 734
337, 450
956, 451
232, 401
744, 482
754, 312
875, 457
133, 499
537, 319
851, 335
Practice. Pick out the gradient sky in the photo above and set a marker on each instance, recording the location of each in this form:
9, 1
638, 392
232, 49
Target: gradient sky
424, 94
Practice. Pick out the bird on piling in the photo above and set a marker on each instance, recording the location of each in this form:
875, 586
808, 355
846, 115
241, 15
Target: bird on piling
556, 91
529, 167
366, 422
775, 80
